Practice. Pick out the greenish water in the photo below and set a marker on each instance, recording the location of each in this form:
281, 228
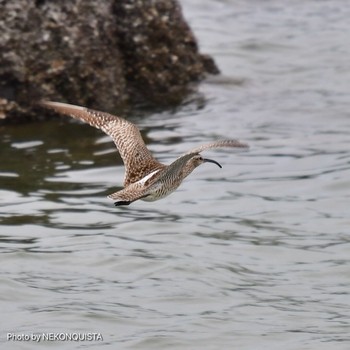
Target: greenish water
251, 256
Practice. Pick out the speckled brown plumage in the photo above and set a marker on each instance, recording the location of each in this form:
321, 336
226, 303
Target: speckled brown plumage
145, 177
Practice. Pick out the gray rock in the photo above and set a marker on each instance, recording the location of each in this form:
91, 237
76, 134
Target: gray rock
102, 54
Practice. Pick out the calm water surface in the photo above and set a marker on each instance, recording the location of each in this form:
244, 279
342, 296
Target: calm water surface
252, 256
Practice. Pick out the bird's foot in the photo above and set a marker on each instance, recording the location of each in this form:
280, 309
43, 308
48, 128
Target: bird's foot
117, 204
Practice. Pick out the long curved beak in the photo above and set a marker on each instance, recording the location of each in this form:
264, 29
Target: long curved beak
206, 160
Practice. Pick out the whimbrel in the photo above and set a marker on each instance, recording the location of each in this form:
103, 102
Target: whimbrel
145, 178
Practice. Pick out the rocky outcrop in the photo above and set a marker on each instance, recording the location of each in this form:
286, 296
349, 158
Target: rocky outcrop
103, 54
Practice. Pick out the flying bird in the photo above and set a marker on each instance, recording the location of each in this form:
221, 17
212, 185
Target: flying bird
145, 178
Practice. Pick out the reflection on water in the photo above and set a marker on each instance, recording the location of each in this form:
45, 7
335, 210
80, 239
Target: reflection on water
254, 253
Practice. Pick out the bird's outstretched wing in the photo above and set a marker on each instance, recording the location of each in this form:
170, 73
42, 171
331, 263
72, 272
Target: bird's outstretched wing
137, 159
218, 144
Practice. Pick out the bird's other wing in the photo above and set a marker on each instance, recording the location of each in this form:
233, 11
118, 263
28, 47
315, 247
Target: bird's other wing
219, 144
137, 159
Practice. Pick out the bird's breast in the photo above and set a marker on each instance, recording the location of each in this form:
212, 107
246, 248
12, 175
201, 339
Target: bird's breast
160, 190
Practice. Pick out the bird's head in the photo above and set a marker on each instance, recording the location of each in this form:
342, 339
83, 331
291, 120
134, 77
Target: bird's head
195, 161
